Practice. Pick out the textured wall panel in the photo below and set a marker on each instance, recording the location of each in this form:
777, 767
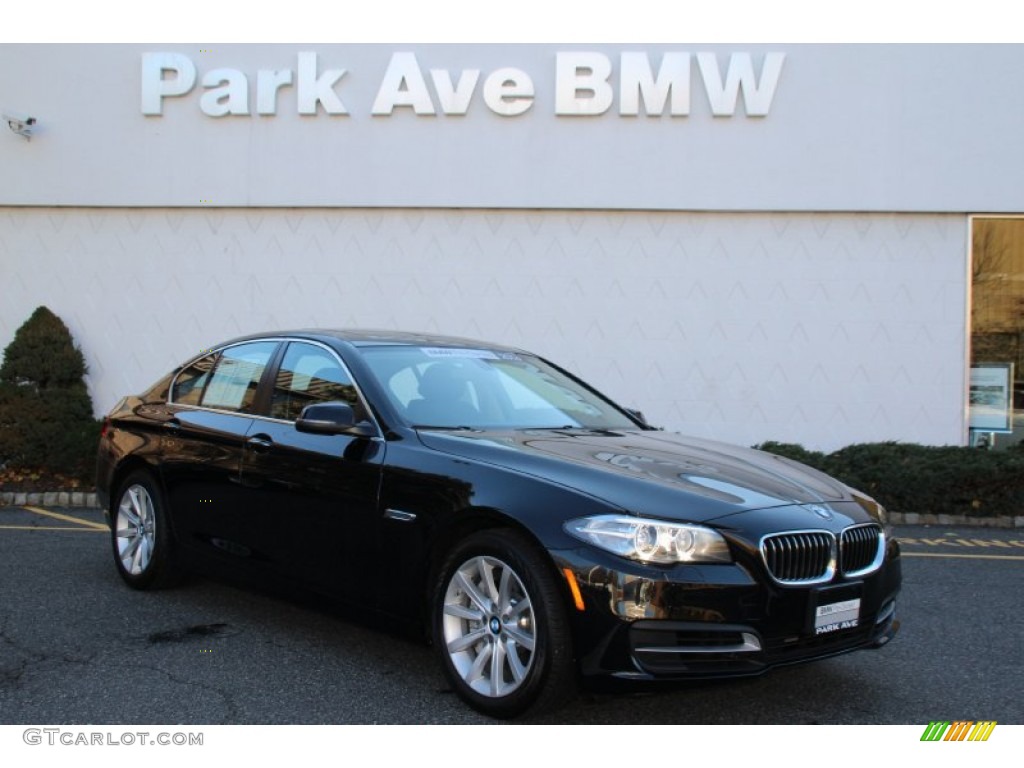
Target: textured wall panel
819, 329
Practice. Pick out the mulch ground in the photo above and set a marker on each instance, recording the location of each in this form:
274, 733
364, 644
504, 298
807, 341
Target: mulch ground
40, 481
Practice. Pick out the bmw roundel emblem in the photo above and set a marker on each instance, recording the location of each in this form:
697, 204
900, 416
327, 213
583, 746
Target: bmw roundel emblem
820, 511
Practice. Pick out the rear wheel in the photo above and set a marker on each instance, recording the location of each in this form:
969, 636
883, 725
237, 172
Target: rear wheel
141, 536
500, 626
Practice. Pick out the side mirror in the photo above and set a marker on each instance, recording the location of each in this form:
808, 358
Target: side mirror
333, 419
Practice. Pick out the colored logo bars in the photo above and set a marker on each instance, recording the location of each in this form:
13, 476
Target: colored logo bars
961, 730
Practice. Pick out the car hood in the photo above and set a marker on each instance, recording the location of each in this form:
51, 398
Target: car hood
655, 473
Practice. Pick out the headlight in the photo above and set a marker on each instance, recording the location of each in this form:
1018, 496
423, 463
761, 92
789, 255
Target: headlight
651, 541
872, 507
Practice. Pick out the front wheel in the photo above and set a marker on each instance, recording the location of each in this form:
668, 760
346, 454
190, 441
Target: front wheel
500, 626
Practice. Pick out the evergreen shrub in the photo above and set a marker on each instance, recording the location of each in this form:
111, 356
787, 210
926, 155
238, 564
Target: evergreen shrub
46, 416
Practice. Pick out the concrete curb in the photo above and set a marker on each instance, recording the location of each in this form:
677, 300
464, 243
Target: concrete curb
49, 499
915, 518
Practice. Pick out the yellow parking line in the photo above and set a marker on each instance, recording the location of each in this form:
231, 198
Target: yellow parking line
68, 518
963, 557
48, 528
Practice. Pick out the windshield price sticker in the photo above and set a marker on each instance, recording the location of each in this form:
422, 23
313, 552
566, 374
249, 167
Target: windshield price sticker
836, 616
478, 354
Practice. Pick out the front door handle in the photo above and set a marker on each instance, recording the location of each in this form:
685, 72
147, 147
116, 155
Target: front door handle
260, 443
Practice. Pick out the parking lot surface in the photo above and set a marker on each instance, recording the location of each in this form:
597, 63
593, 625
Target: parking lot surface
77, 646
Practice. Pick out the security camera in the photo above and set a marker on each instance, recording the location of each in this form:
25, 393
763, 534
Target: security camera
19, 123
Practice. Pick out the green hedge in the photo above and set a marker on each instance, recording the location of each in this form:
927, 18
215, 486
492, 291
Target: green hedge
943, 480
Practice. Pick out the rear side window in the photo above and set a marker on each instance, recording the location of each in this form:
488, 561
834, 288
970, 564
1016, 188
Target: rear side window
309, 374
233, 384
188, 387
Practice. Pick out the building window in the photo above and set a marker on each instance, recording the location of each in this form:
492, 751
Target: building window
997, 331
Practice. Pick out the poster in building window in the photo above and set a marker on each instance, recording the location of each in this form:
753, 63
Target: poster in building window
991, 407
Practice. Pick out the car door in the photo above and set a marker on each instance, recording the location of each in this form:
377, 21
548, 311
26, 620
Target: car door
211, 415
313, 497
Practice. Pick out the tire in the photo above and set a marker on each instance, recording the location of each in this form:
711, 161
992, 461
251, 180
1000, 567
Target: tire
500, 626
141, 536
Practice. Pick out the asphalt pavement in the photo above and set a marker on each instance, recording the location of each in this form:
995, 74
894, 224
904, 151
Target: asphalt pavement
77, 646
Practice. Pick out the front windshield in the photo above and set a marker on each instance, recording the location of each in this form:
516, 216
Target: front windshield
452, 388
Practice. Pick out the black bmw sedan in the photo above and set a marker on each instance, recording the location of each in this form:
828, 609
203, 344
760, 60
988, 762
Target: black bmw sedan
535, 530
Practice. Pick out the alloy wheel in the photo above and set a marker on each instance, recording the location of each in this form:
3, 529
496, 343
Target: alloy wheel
489, 626
135, 530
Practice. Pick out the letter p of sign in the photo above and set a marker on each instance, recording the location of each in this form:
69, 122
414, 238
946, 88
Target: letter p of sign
165, 74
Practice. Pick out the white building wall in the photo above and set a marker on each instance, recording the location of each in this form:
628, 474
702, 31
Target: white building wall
913, 128
823, 329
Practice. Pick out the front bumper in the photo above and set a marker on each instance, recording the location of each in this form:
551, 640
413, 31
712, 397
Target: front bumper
640, 623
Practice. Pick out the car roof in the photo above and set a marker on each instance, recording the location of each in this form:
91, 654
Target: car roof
365, 337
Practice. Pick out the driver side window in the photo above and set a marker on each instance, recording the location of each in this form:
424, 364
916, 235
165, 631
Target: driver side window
309, 374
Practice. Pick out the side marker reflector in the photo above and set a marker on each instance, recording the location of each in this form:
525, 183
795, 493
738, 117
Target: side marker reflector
574, 588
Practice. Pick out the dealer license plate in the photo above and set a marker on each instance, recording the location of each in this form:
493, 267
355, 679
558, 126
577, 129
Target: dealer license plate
833, 617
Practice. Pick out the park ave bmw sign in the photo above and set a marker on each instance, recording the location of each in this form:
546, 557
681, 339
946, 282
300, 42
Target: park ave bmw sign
585, 84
